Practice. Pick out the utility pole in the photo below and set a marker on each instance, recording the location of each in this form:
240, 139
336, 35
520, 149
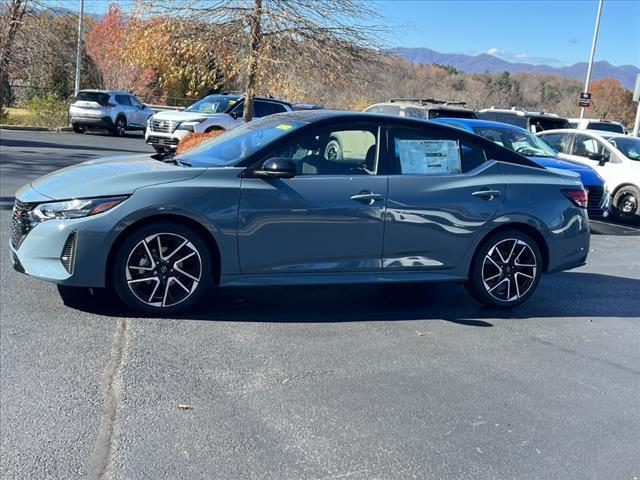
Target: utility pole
79, 51
593, 52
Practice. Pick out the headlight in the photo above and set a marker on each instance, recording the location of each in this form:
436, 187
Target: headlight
78, 208
190, 125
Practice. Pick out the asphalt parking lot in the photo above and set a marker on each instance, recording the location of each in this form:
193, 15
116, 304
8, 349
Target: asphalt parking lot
359, 382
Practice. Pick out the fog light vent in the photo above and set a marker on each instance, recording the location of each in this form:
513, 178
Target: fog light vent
69, 252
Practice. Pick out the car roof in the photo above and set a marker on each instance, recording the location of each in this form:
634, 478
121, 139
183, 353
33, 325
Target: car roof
520, 112
96, 90
473, 122
594, 133
425, 105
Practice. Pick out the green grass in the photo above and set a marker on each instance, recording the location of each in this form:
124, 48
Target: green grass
17, 116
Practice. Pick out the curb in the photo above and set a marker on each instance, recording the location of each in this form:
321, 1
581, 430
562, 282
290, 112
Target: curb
26, 128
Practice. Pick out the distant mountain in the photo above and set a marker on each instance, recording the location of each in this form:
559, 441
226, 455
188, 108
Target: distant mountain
488, 63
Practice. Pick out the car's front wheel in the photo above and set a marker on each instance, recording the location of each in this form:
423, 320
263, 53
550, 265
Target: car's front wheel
626, 204
505, 270
78, 128
162, 268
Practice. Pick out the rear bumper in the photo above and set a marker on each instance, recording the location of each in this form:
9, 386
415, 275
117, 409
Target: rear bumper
93, 122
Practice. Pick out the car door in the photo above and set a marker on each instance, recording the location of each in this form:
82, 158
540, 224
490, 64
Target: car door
328, 218
592, 152
442, 192
138, 113
124, 101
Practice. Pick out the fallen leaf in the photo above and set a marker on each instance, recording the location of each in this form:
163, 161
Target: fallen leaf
185, 406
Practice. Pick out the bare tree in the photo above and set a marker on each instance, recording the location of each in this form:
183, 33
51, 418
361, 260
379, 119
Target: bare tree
323, 39
12, 14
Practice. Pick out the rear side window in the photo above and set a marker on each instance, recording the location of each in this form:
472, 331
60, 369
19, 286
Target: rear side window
262, 109
557, 140
540, 124
423, 153
123, 100
415, 112
98, 97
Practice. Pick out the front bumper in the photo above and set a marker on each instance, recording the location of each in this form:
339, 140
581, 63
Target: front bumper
167, 140
68, 252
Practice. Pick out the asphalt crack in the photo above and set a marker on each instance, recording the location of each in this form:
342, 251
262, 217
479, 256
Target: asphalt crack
101, 462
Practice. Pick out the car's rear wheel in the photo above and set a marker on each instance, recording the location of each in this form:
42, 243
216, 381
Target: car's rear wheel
120, 127
78, 128
505, 270
626, 204
162, 268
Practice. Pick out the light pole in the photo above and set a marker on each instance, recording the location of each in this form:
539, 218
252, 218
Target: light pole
79, 50
593, 52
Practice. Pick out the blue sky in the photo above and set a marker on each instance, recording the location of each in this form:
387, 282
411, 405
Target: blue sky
556, 32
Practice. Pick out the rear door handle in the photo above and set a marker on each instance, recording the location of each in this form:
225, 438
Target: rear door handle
487, 193
367, 197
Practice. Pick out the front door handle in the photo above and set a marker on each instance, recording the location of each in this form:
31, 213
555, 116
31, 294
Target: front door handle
367, 197
487, 193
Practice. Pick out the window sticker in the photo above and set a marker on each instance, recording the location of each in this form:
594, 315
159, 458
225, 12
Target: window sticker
284, 126
428, 156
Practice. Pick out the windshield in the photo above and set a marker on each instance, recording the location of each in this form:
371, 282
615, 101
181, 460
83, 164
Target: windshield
629, 146
238, 143
213, 104
516, 140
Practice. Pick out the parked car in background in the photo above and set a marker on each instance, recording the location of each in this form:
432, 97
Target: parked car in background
214, 112
614, 155
532, 121
424, 108
597, 124
525, 143
263, 205
115, 111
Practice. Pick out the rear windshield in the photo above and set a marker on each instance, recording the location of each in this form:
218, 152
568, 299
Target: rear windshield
545, 123
98, 97
438, 113
607, 127
386, 109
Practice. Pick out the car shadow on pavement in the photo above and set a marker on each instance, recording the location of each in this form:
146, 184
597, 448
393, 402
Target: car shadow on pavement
35, 144
568, 294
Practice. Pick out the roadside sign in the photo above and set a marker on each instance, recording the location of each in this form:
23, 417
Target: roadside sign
585, 99
636, 91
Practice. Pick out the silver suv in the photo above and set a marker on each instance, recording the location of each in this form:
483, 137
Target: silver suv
115, 111
424, 108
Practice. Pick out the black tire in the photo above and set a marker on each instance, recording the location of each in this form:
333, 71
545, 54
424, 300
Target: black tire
333, 150
77, 128
120, 127
626, 204
498, 274
176, 283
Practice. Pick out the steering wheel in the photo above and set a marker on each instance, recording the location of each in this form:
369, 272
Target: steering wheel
525, 150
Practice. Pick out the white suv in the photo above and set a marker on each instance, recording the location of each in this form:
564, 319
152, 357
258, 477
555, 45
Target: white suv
214, 112
114, 110
597, 124
615, 156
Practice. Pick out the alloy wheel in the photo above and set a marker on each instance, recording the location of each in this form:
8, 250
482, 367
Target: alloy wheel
509, 270
120, 127
628, 204
163, 269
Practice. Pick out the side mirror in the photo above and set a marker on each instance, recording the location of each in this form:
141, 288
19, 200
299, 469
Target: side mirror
276, 168
235, 115
143, 107
598, 157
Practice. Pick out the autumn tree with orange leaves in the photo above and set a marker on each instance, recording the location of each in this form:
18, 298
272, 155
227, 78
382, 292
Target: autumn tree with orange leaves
611, 101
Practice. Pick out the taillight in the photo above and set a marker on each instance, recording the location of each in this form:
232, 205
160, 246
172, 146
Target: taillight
579, 197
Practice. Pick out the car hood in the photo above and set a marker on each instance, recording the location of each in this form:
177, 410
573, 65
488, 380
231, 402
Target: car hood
110, 176
175, 116
587, 174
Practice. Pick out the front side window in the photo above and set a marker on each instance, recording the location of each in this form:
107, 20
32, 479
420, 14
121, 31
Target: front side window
262, 109
421, 153
233, 146
334, 151
584, 146
134, 101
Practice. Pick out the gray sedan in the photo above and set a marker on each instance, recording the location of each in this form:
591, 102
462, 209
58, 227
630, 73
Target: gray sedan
265, 204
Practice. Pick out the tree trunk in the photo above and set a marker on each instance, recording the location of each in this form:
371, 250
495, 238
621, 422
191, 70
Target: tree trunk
254, 53
15, 13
